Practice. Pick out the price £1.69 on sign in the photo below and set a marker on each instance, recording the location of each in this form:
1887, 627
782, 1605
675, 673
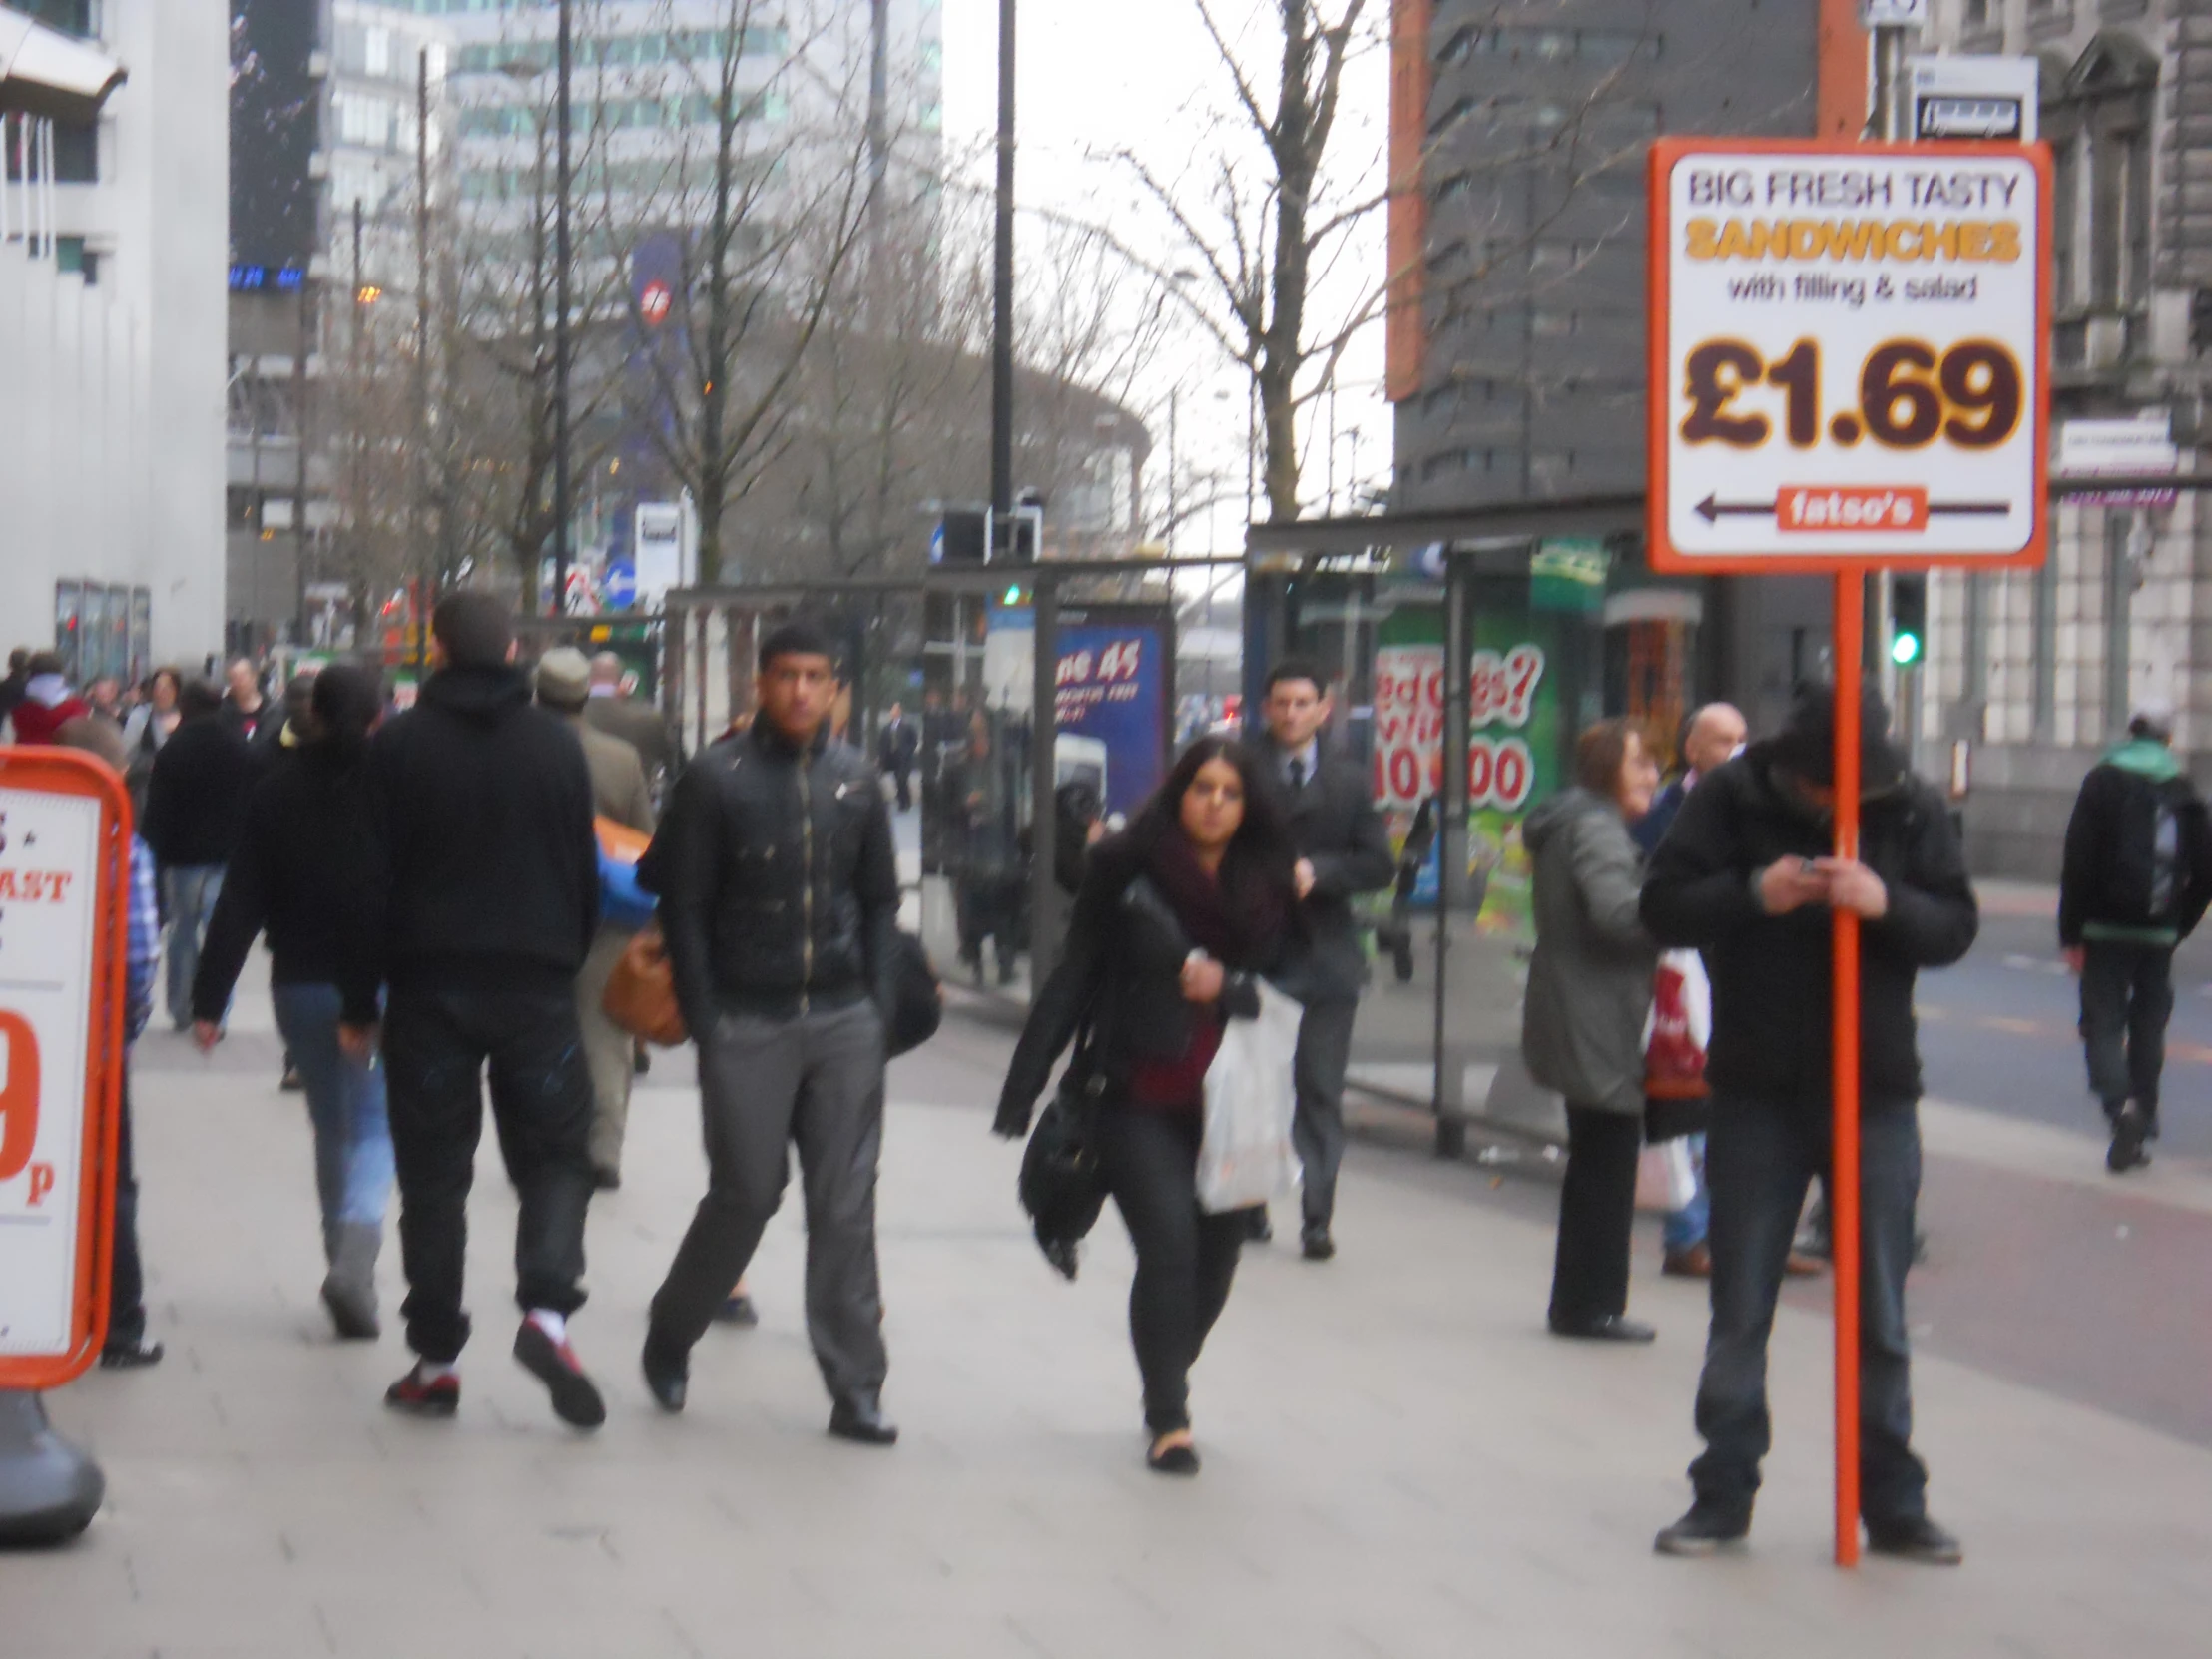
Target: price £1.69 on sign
1847, 354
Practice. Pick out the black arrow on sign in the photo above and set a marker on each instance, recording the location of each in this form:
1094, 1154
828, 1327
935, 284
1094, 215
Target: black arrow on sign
1712, 509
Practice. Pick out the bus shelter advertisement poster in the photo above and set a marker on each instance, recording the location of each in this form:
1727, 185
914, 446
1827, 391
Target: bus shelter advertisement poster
1512, 749
1111, 710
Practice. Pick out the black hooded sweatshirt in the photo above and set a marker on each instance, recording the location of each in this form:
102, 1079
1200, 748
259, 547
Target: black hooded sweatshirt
1772, 975
483, 866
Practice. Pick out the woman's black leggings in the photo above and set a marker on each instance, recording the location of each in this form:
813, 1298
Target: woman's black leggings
1185, 1258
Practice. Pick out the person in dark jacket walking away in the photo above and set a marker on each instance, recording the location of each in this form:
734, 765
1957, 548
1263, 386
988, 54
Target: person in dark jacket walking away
1746, 876
12, 687
895, 747
779, 897
2136, 882
619, 792
296, 874
1582, 1027
482, 899
1344, 849
634, 719
195, 798
1175, 918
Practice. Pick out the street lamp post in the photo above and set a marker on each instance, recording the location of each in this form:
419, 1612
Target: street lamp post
563, 54
1002, 287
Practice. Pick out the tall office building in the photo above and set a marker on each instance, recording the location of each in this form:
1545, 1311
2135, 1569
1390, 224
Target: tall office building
111, 293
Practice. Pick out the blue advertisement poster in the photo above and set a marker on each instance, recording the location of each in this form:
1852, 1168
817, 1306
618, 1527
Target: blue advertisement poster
1112, 709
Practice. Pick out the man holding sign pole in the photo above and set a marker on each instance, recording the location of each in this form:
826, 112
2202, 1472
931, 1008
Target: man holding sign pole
1746, 876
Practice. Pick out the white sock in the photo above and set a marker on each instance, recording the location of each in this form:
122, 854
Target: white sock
430, 1371
552, 1323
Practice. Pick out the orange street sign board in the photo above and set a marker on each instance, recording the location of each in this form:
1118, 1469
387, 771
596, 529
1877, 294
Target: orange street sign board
1850, 354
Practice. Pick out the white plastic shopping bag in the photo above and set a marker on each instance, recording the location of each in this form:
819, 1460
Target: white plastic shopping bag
1666, 1175
1246, 1156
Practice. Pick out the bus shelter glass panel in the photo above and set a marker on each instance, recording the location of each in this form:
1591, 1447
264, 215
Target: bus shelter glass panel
1440, 1022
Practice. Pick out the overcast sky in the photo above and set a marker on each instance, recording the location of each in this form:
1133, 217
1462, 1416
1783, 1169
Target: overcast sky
1142, 73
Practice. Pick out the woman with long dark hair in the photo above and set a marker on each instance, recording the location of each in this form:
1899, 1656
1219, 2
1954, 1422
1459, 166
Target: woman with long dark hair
297, 871
1174, 919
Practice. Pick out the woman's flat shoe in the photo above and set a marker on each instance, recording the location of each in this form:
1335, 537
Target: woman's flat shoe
1606, 1327
1172, 1460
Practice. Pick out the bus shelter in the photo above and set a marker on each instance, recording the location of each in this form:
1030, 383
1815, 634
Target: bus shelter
1465, 651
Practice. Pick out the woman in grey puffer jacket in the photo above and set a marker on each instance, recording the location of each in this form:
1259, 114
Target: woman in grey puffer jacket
1583, 1032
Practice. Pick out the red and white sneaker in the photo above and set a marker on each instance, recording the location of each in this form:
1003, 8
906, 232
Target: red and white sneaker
576, 1398
422, 1395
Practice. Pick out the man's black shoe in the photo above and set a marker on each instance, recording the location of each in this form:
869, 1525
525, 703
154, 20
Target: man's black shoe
1915, 1538
576, 1398
606, 1180
1707, 1529
1257, 1226
667, 1377
2128, 1135
736, 1309
1604, 1328
1315, 1244
860, 1418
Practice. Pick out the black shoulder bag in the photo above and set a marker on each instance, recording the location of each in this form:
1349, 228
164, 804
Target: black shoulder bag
1062, 1187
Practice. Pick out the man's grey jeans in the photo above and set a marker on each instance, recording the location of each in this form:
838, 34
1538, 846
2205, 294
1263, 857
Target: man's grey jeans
817, 1080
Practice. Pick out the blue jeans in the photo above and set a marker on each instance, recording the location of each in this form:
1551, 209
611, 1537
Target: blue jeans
191, 892
345, 1103
1760, 1159
1685, 1228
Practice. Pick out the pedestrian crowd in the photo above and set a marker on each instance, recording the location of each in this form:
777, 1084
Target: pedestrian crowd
442, 895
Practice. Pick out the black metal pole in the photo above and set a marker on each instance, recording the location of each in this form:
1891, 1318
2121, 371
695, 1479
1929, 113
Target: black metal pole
561, 250
1044, 820
1003, 288
1452, 850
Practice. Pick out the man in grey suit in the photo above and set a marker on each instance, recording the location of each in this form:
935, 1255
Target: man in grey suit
1344, 849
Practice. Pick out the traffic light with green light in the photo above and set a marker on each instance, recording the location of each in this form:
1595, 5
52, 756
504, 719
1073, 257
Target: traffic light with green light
1907, 619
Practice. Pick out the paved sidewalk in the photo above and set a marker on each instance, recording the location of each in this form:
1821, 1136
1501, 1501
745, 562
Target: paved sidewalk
1399, 1462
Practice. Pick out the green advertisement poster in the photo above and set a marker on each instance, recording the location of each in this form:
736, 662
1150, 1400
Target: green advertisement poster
1513, 746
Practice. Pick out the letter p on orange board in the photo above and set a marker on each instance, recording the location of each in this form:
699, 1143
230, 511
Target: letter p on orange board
60, 1057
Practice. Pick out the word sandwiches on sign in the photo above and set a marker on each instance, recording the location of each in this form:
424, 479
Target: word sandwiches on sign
1410, 725
1848, 354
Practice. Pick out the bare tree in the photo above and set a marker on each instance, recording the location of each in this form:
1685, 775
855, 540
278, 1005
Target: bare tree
1265, 220
766, 198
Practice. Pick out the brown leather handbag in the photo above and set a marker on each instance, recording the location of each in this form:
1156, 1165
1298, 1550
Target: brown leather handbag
641, 992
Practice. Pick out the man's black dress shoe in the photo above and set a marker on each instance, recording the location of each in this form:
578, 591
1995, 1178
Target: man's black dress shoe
668, 1378
859, 1418
1604, 1328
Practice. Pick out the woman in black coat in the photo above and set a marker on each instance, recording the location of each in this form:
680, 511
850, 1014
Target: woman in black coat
296, 874
1174, 919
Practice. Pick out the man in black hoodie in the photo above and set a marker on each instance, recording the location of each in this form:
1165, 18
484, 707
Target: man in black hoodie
1745, 875
195, 807
483, 900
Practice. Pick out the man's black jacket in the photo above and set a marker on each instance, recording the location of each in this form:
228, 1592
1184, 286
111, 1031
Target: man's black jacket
1334, 825
483, 867
778, 881
195, 797
1772, 975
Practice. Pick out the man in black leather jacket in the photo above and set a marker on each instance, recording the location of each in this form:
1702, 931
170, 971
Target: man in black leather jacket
778, 898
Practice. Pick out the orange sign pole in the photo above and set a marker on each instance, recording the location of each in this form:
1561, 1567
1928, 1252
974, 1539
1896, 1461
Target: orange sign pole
1843, 1176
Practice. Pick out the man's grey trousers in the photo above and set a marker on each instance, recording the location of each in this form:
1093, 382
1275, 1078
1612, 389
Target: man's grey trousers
815, 1080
